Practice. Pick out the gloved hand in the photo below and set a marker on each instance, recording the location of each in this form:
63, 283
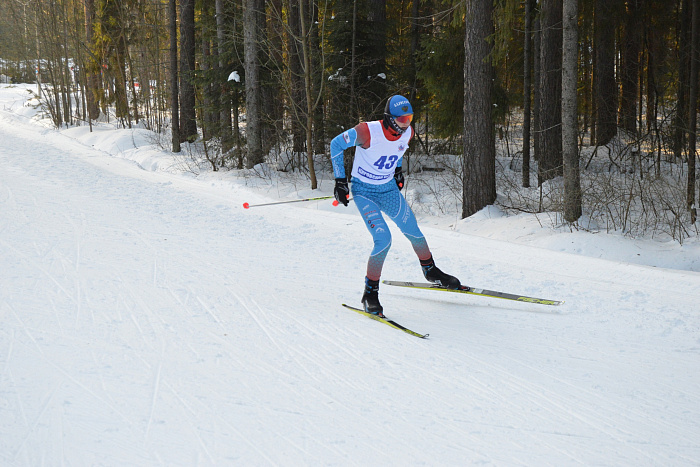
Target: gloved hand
341, 192
398, 177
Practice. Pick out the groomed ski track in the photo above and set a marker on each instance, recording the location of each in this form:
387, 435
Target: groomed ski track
148, 319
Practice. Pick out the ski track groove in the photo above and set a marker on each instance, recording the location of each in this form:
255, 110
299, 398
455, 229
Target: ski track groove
305, 368
297, 390
194, 426
641, 417
62, 371
154, 397
465, 383
44, 407
240, 435
514, 382
283, 309
10, 346
79, 233
607, 356
44, 272
265, 329
211, 313
323, 336
538, 394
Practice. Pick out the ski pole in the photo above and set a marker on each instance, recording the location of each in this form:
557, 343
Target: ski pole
335, 203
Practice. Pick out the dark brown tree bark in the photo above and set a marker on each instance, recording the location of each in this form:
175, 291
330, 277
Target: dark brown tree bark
550, 157
604, 81
527, 91
294, 54
692, 106
188, 117
377, 65
271, 60
536, 94
318, 81
479, 153
225, 122
569, 112
630, 52
251, 43
681, 118
93, 82
174, 88
307, 88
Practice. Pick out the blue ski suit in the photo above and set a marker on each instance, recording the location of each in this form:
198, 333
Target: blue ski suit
378, 152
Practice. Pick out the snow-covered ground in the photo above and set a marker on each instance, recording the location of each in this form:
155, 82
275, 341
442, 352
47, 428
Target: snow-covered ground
148, 319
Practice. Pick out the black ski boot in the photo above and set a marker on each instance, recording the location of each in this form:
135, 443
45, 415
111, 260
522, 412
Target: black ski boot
370, 299
435, 275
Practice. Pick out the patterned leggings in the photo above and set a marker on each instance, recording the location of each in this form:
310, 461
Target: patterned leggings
371, 201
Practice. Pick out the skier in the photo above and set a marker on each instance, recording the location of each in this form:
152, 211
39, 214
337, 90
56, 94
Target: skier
377, 179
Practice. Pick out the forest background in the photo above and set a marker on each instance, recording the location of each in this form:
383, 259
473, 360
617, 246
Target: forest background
582, 108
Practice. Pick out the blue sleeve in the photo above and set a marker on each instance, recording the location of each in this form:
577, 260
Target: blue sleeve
340, 143
413, 133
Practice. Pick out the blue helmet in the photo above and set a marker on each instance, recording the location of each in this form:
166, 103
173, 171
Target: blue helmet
397, 106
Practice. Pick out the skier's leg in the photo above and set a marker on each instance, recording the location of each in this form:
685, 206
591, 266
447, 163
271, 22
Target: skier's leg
364, 196
401, 213
377, 227
406, 221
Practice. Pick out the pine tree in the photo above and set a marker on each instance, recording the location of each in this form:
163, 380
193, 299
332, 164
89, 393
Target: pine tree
569, 111
550, 156
188, 117
479, 177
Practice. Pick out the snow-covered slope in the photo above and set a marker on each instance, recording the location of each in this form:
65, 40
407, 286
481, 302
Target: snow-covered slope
148, 319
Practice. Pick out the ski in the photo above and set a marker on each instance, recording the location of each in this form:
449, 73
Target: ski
475, 291
386, 321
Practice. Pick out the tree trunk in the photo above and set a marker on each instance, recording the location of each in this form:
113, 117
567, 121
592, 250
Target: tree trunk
605, 85
207, 118
415, 44
119, 70
174, 89
271, 59
652, 99
318, 82
353, 67
536, 94
93, 83
377, 64
252, 83
594, 74
692, 107
479, 155
550, 162
527, 92
680, 122
224, 97
569, 112
298, 104
631, 49
307, 88
188, 116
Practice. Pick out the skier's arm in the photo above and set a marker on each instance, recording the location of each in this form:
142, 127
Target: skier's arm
339, 144
358, 136
413, 133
